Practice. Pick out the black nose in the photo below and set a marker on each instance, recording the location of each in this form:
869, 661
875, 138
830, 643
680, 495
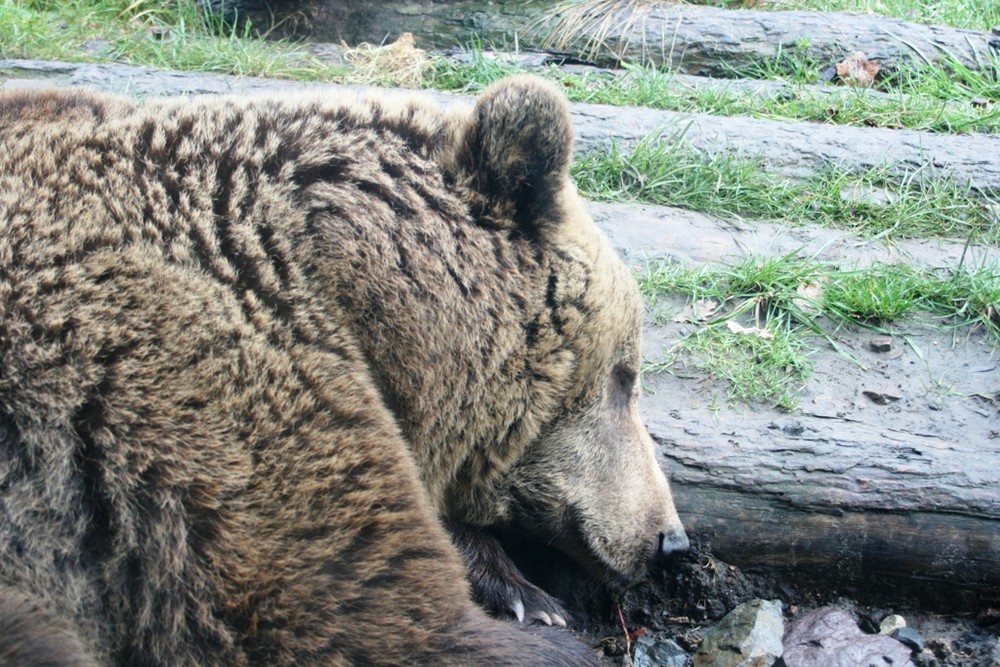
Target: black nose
671, 542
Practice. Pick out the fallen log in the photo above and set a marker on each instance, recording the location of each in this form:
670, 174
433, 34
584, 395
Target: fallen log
795, 150
712, 41
709, 41
877, 513
887, 501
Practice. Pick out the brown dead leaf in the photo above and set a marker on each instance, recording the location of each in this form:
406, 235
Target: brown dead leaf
856, 70
738, 328
699, 311
809, 294
881, 397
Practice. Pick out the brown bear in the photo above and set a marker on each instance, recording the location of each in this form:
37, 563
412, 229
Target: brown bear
257, 354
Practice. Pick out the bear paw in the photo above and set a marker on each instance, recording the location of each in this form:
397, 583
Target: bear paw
497, 583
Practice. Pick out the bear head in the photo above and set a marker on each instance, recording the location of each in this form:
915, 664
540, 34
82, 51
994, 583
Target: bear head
584, 476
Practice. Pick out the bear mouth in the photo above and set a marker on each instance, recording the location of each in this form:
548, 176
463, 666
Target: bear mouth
570, 540
579, 549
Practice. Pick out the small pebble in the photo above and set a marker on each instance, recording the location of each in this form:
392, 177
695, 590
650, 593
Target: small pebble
891, 623
881, 343
910, 637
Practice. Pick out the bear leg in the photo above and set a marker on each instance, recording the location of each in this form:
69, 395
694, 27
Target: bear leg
497, 583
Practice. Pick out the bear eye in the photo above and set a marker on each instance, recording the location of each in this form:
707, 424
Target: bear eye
623, 384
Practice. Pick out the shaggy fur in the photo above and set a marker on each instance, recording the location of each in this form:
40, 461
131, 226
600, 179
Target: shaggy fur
253, 350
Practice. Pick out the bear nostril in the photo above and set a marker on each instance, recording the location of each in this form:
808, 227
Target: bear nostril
672, 541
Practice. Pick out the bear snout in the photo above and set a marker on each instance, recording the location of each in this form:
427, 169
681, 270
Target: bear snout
673, 541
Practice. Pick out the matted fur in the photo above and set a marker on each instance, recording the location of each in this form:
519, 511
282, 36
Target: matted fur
254, 350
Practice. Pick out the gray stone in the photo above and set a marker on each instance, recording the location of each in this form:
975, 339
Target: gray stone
749, 636
830, 638
910, 637
881, 344
650, 652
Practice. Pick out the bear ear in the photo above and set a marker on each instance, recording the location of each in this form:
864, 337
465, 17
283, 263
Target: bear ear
514, 153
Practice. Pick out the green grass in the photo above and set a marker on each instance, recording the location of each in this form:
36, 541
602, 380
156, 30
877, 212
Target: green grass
154, 33
930, 99
769, 365
792, 300
879, 294
801, 290
664, 169
975, 14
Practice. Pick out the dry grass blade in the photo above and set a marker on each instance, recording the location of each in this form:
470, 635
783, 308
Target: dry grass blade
590, 27
400, 63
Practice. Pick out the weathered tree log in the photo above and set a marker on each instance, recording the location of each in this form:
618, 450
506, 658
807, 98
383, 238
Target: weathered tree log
716, 42
885, 503
794, 150
693, 39
876, 512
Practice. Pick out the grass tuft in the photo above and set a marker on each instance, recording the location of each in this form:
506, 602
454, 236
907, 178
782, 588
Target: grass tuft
790, 299
665, 169
768, 366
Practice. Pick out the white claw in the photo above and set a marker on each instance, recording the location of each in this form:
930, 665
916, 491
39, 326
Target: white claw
541, 616
518, 608
558, 620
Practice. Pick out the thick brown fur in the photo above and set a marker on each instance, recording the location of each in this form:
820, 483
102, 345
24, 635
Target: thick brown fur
32, 635
252, 351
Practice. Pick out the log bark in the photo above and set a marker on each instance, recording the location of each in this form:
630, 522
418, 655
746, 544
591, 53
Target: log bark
895, 503
879, 514
693, 39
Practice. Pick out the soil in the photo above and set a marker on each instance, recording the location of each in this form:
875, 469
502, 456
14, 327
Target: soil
684, 598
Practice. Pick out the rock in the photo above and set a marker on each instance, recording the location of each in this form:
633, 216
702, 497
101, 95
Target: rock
891, 623
881, 344
989, 616
830, 638
650, 652
910, 637
749, 636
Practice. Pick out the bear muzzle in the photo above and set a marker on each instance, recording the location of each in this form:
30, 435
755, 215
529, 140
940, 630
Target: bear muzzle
673, 541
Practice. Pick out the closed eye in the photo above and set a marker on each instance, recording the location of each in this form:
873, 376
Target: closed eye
623, 381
